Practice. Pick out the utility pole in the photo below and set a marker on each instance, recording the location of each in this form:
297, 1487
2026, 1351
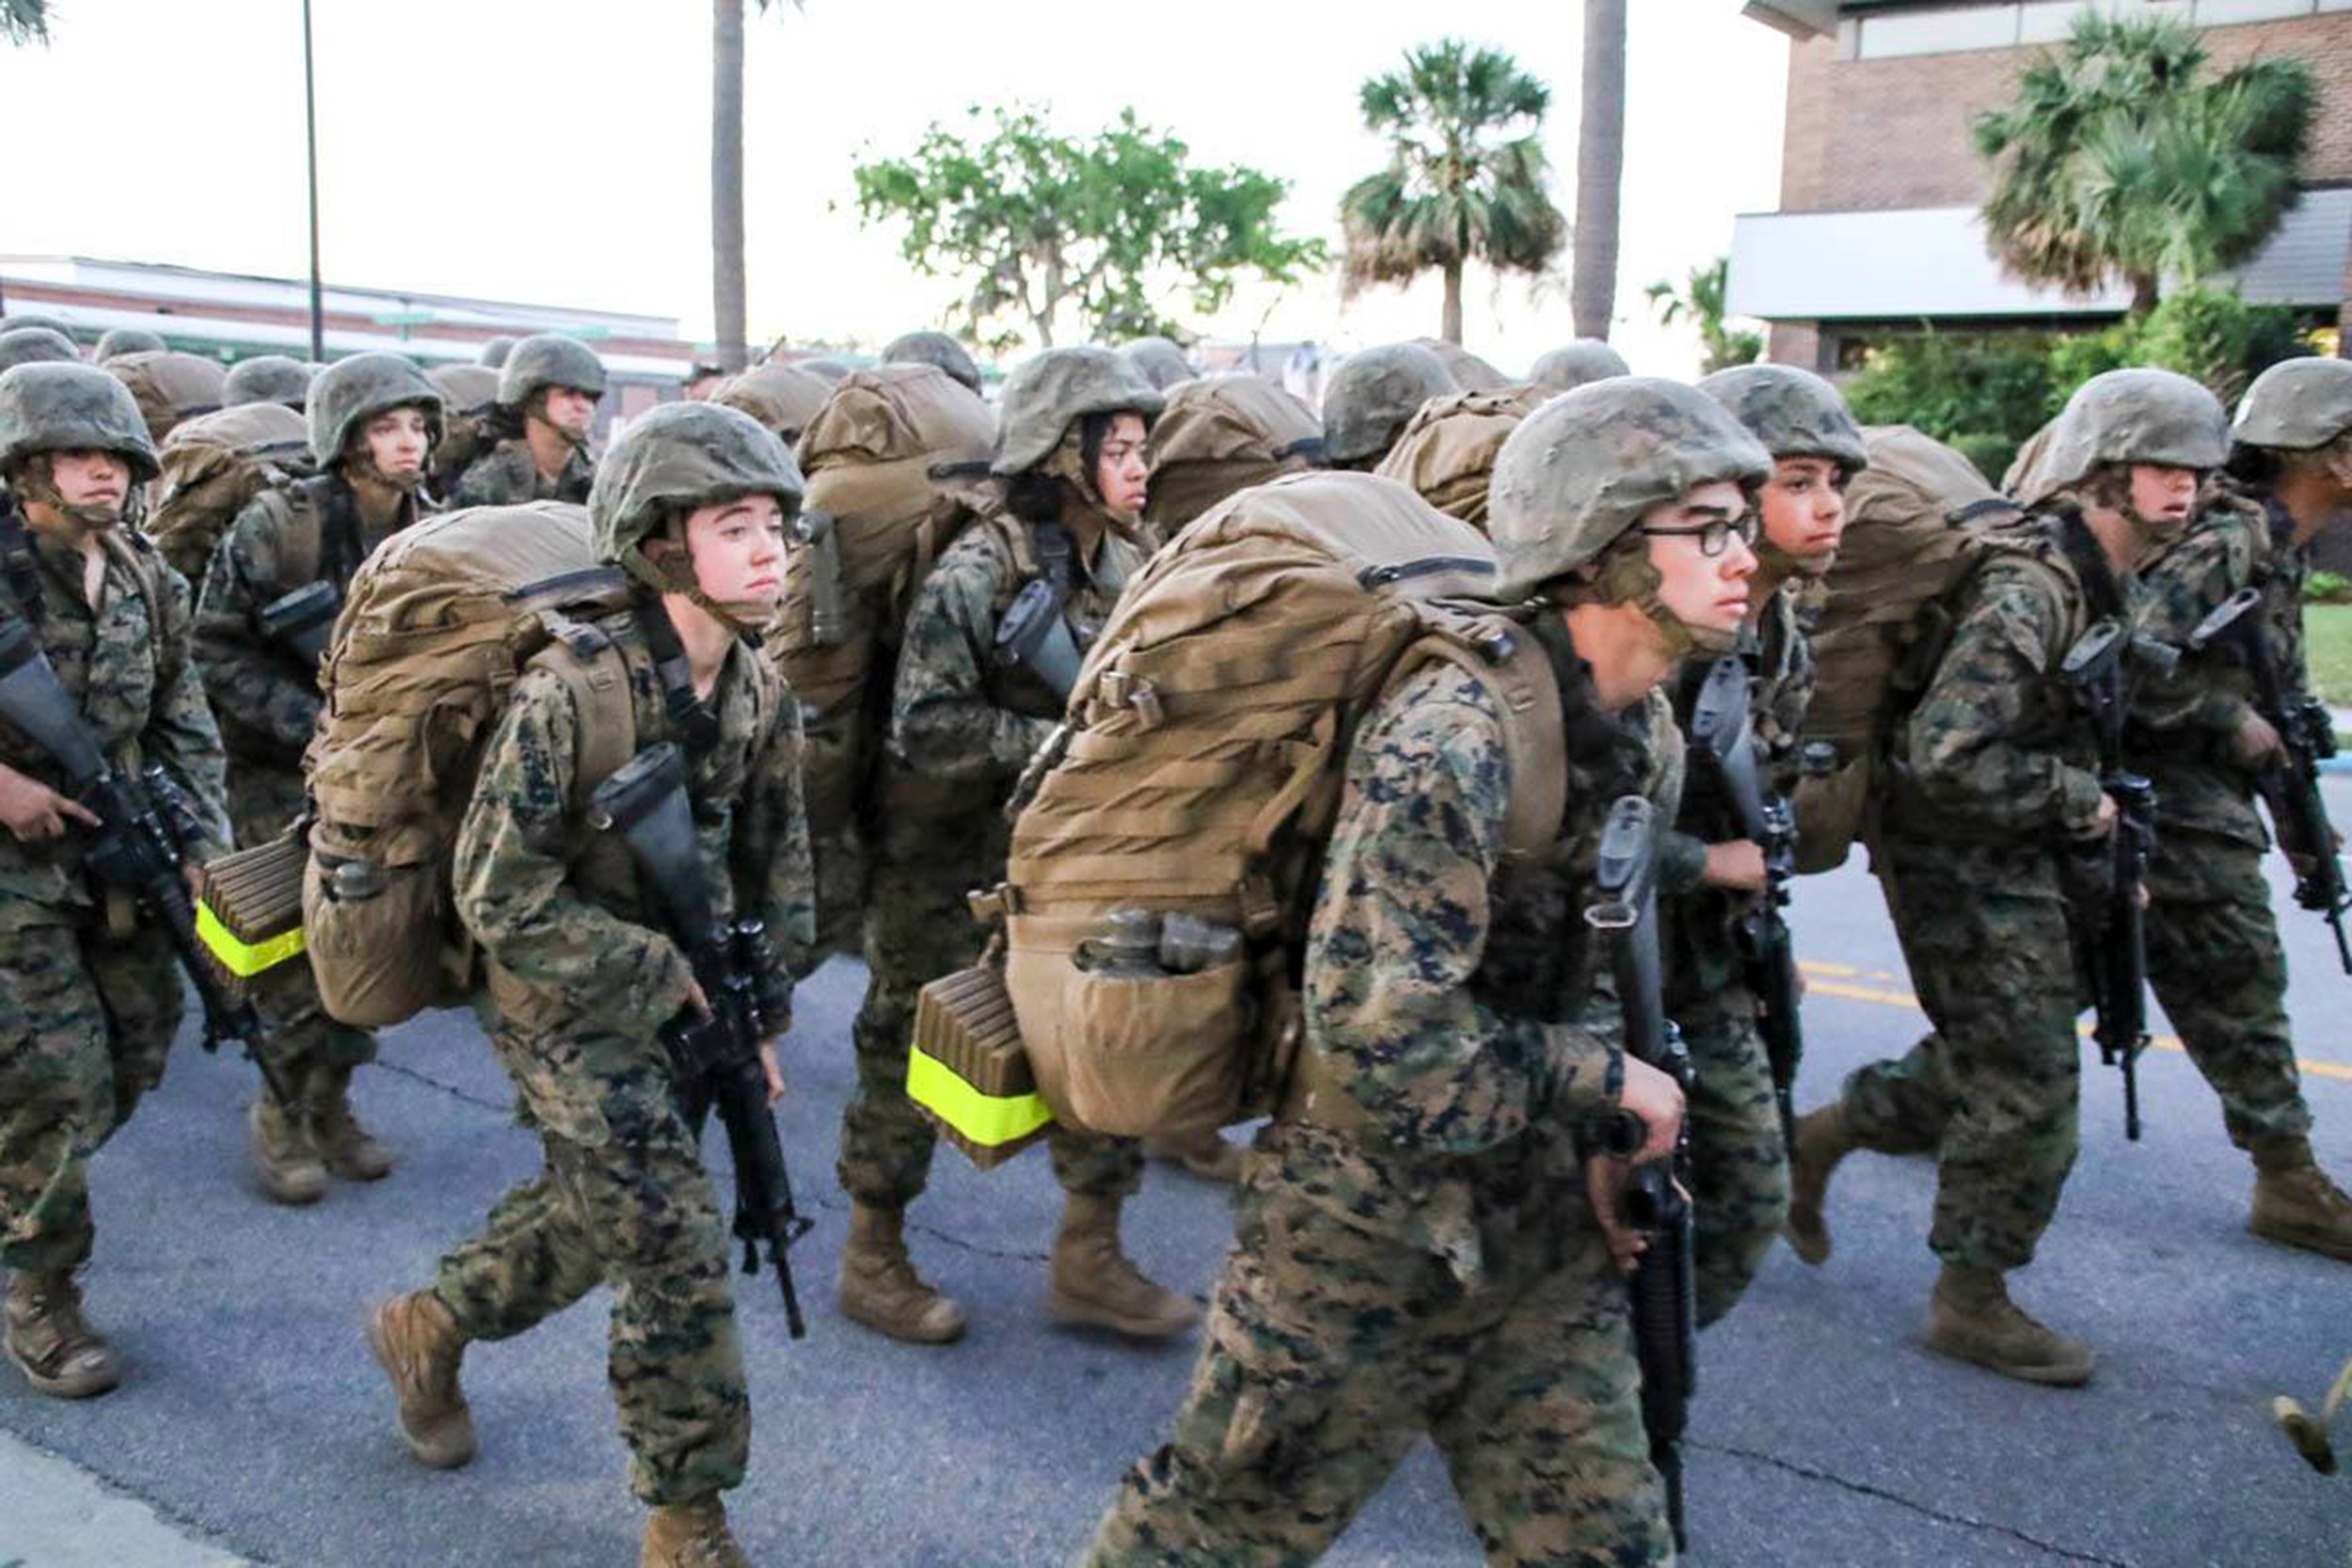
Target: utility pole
310, 130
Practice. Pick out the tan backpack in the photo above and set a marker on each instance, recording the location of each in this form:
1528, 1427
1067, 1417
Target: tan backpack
214, 465
1200, 774
441, 621
1221, 435
1447, 450
1918, 520
887, 458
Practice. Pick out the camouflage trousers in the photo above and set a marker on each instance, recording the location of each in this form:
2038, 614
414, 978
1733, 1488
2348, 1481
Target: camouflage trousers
917, 928
1739, 1163
1995, 1092
85, 1022
297, 1035
624, 1201
2214, 961
1333, 1347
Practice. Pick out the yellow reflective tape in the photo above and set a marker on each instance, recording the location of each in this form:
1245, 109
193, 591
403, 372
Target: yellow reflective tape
242, 959
988, 1119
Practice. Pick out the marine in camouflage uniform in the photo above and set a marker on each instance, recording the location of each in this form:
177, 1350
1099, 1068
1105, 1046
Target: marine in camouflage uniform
312, 530
1416, 1250
2212, 943
963, 724
1739, 1157
1373, 395
89, 997
1995, 808
583, 981
509, 473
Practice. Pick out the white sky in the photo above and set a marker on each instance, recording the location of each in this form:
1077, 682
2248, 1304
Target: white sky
557, 150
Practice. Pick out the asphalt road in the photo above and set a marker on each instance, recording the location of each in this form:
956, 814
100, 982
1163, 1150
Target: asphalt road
254, 1420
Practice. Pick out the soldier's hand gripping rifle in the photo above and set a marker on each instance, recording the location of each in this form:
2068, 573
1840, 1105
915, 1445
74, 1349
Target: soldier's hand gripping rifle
2097, 668
1665, 1306
145, 827
718, 1057
1725, 744
2290, 783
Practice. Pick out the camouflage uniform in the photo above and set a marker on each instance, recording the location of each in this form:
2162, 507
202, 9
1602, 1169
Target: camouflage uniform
1998, 771
506, 476
2212, 943
88, 1010
962, 727
1436, 1270
1739, 1165
623, 1200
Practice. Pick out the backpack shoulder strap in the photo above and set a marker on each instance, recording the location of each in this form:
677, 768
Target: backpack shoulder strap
593, 669
1513, 666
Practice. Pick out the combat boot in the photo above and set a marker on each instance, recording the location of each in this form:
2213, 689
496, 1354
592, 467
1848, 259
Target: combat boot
691, 1535
1094, 1282
881, 1289
345, 1148
1970, 1318
1204, 1153
417, 1344
284, 1156
2297, 1205
1822, 1140
51, 1342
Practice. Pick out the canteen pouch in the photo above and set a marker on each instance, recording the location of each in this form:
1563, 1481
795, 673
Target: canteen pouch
1156, 1054
966, 1071
374, 956
1831, 811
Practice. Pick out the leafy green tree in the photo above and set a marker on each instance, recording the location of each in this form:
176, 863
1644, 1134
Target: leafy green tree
1955, 385
2121, 158
2212, 335
1466, 175
1041, 226
1700, 302
25, 21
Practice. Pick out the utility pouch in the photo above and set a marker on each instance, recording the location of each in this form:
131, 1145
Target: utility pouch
967, 1073
248, 910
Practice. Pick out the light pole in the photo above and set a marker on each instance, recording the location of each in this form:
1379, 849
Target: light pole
310, 131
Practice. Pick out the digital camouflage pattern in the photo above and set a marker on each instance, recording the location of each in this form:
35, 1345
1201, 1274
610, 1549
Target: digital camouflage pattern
1571, 365
35, 345
1740, 1165
1438, 1271
2132, 416
267, 378
2212, 943
87, 1011
1997, 773
2297, 406
126, 339
350, 392
548, 359
1582, 468
506, 475
1794, 412
1159, 362
1372, 394
961, 728
56, 407
623, 1200
934, 348
1048, 393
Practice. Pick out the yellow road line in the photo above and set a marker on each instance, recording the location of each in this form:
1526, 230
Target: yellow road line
1903, 999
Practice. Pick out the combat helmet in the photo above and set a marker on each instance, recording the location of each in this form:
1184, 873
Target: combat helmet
671, 460
2297, 406
1793, 412
2140, 415
1580, 471
824, 365
23, 319
1575, 363
933, 348
494, 353
126, 339
1158, 361
56, 408
267, 378
783, 397
548, 359
34, 346
1049, 393
1370, 396
1470, 373
350, 392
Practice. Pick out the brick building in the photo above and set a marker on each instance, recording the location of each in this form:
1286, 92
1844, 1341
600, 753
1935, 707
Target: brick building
1878, 230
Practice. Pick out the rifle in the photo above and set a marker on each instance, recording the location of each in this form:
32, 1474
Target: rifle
2289, 786
1033, 631
1665, 1306
301, 623
1725, 742
2117, 952
717, 1057
146, 824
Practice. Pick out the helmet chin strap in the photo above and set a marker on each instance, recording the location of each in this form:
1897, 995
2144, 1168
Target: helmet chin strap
36, 484
1628, 576
676, 575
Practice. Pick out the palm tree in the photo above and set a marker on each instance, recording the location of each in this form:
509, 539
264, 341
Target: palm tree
25, 21
1700, 301
1466, 175
726, 177
2117, 159
1599, 168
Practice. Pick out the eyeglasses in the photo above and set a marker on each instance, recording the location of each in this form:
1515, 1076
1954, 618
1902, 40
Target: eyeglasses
1715, 535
